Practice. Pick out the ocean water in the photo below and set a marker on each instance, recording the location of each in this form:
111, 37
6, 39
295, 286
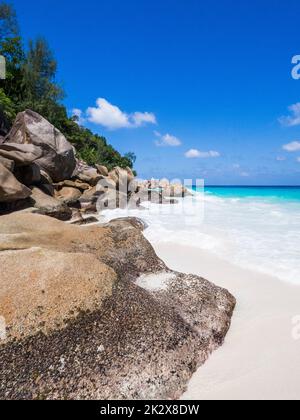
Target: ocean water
253, 227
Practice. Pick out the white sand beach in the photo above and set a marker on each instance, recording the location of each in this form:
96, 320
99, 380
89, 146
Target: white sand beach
260, 358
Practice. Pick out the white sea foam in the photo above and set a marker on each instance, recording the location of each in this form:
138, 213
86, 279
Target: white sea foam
264, 236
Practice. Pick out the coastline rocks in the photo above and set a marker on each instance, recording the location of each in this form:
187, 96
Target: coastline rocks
28, 175
155, 197
102, 170
201, 304
165, 188
89, 176
68, 195
49, 206
80, 219
58, 157
7, 163
118, 244
122, 178
112, 199
113, 336
177, 191
21, 154
10, 188
133, 221
72, 184
131, 348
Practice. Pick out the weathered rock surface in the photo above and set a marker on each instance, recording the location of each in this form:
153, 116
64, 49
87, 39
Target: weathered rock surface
118, 244
21, 154
82, 219
40, 290
102, 170
28, 175
122, 178
68, 195
49, 206
10, 188
72, 184
112, 199
87, 174
115, 336
58, 157
7, 163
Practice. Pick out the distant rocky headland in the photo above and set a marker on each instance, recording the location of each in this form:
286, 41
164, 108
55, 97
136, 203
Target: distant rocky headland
79, 315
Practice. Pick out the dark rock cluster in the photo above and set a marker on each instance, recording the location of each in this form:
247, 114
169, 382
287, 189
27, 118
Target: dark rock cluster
39, 170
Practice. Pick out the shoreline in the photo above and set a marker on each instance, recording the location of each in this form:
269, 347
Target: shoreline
260, 359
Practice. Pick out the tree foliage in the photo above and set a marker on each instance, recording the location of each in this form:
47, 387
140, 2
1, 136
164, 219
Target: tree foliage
31, 84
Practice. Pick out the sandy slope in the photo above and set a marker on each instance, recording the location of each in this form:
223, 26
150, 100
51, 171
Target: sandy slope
260, 359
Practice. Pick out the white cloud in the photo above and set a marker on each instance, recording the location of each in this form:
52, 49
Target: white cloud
194, 153
281, 158
141, 118
293, 119
294, 146
298, 159
112, 118
167, 140
79, 114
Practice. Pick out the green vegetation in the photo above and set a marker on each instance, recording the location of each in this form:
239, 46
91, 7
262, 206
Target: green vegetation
30, 84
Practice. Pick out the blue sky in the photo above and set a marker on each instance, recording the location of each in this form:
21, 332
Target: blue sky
198, 88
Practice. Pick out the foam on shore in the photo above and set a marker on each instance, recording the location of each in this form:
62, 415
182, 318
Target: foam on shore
252, 233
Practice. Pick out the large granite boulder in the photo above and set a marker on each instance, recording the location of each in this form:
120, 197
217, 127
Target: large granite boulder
21, 154
130, 329
58, 157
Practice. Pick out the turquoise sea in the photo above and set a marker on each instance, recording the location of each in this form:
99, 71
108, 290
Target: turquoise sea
257, 228
271, 194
